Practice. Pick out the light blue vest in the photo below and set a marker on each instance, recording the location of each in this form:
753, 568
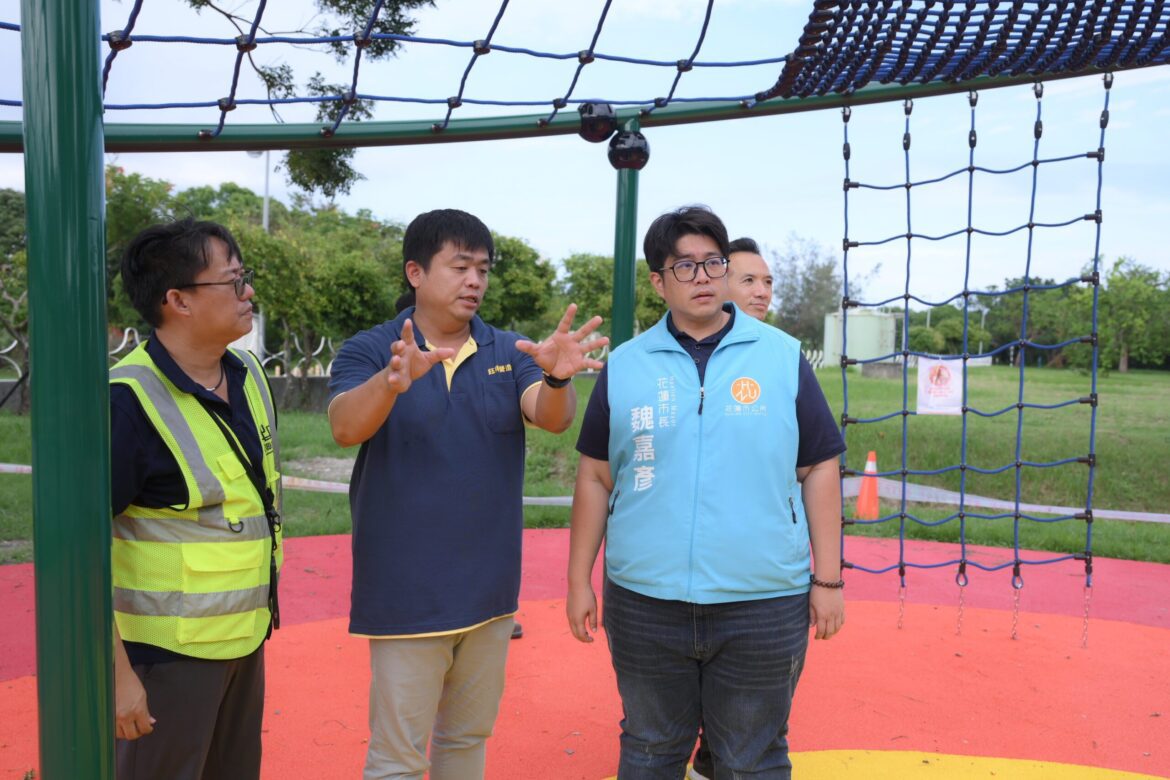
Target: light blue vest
706, 507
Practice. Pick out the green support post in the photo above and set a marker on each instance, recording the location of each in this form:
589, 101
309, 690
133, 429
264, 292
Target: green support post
63, 145
625, 252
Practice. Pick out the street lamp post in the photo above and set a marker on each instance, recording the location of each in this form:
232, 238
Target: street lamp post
267, 171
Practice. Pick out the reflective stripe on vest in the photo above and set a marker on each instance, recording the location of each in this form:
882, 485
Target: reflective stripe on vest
176, 569
175, 428
172, 530
189, 605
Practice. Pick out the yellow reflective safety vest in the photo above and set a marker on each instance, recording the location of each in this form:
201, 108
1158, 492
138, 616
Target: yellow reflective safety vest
195, 579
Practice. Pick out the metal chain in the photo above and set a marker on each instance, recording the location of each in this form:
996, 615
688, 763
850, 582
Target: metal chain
959, 625
1015, 612
1085, 625
901, 605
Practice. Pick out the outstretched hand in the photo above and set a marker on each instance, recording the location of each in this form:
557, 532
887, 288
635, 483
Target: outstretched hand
408, 362
566, 351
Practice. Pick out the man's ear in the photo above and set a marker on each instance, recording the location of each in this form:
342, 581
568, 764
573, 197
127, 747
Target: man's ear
177, 301
656, 281
414, 273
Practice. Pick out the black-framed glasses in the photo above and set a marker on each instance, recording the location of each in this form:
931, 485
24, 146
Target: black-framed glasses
241, 283
687, 270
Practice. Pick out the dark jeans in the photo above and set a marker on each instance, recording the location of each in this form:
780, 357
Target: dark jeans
208, 725
733, 666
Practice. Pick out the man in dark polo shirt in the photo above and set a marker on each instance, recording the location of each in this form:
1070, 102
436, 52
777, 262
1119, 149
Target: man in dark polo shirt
438, 401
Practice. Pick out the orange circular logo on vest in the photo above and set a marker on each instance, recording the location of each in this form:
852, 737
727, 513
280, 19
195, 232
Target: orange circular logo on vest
745, 390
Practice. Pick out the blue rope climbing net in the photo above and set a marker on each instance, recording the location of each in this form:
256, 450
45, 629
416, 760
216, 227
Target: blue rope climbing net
965, 297
845, 46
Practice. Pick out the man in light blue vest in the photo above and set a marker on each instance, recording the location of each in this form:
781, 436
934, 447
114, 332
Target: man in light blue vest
749, 286
709, 466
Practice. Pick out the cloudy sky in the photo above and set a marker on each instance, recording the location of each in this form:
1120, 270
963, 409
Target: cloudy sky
768, 177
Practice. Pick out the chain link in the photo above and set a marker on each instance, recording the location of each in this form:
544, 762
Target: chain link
901, 605
959, 624
1015, 612
1085, 625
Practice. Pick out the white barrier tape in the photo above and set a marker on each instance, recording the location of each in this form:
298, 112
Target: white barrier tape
891, 489
887, 488
317, 485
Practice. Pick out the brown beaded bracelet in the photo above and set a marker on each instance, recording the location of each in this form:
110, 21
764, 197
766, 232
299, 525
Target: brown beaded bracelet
822, 584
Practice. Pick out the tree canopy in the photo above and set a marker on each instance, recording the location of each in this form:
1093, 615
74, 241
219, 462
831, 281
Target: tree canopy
328, 171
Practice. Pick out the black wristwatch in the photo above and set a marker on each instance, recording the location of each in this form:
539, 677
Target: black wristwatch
555, 383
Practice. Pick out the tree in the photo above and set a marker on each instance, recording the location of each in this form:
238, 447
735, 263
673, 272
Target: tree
1050, 317
329, 171
1134, 323
14, 272
945, 324
520, 288
133, 202
13, 233
808, 287
588, 282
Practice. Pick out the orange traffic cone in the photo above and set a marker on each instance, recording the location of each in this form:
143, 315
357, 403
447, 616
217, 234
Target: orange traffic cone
867, 495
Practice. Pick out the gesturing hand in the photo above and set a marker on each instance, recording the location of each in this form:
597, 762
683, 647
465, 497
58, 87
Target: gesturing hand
565, 352
408, 362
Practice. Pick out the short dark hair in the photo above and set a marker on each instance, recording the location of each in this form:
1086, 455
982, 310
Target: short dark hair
744, 244
663, 235
426, 234
168, 256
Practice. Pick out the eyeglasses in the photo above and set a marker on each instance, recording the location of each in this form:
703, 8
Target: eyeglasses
241, 282
687, 270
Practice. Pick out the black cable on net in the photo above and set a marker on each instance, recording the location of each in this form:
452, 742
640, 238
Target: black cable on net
482, 47
584, 57
844, 39
244, 44
865, 50
684, 66
119, 41
360, 41
925, 41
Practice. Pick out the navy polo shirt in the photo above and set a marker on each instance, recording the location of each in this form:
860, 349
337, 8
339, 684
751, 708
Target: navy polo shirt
820, 439
143, 471
437, 492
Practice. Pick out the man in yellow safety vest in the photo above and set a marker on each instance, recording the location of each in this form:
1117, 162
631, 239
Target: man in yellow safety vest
196, 513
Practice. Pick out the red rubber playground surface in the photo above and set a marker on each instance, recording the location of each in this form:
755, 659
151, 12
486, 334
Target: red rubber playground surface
877, 701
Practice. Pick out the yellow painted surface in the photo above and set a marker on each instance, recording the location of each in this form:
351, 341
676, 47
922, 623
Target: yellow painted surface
896, 765
905, 765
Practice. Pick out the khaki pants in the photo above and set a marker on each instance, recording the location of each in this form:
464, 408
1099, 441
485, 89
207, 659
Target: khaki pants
442, 689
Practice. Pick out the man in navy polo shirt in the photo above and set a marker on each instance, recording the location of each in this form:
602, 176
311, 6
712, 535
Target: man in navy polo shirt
708, 464
436, 495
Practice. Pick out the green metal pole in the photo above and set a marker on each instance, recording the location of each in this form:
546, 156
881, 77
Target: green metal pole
625, 252
63, 143
122, 137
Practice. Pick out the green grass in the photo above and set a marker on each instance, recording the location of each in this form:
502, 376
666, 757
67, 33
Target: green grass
1132, 444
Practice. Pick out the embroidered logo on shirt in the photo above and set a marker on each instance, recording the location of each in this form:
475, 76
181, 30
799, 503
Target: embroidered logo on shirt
499, 369
745, 390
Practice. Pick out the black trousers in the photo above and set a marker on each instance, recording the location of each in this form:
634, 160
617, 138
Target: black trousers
207, 721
